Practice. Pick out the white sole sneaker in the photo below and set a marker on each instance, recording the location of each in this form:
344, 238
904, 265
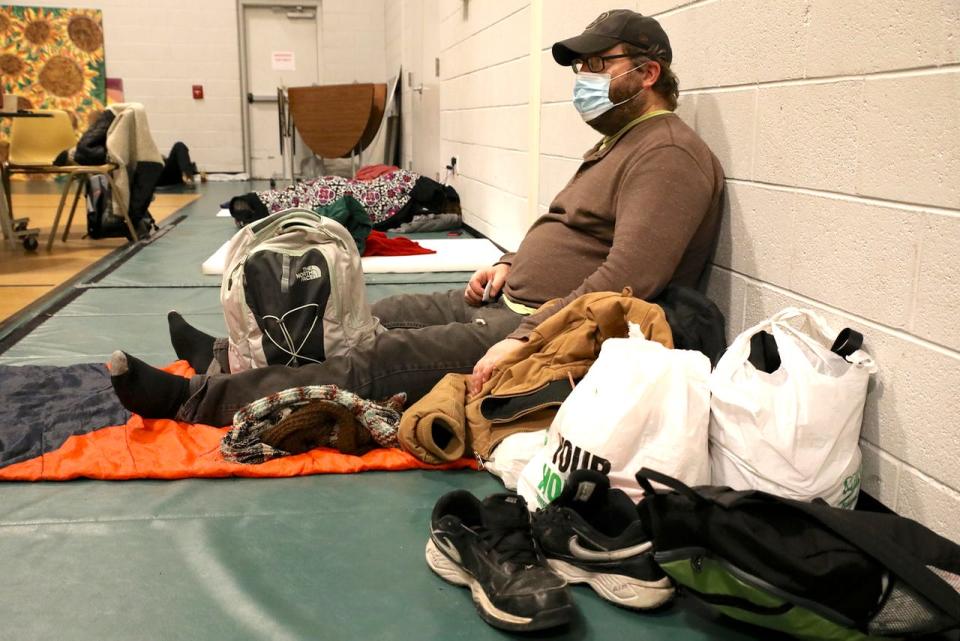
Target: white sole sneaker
453, 573
620, 590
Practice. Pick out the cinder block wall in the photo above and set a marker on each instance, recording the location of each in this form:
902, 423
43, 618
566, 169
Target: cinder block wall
838, 125
160, 49
351, 41
398, 21
485, 111
393, 24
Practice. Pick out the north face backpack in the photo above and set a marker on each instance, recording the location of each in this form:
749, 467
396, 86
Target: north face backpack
293, 292
807, 569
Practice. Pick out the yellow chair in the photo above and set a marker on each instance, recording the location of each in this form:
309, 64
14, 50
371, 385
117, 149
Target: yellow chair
34, 144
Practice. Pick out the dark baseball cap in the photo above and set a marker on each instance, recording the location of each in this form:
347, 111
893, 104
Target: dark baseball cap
611, 28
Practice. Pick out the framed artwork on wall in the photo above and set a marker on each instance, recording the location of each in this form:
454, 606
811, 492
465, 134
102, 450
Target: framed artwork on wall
53, 58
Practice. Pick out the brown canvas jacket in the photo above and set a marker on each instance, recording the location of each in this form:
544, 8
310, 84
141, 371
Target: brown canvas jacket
524, 393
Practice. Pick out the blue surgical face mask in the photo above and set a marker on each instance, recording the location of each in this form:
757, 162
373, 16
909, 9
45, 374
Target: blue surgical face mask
591, 94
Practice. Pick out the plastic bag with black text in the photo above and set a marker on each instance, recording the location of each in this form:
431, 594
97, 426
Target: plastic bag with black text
640, 404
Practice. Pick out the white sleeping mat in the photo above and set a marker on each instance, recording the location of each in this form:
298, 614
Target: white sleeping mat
453, 255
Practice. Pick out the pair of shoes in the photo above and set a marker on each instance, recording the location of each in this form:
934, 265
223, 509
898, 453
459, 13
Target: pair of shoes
517, 568
593, 534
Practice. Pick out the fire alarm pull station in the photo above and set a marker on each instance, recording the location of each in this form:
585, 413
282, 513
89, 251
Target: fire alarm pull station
198, 92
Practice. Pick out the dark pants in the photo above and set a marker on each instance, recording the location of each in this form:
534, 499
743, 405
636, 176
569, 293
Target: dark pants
175, 165
429, 335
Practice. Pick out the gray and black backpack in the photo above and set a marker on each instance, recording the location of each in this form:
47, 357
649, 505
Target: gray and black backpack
293, 292
810, 570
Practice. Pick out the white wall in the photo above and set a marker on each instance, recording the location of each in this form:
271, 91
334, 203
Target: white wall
352, 41
161, 48
841, 151
484, 105
393, 23
352, 36
838, 125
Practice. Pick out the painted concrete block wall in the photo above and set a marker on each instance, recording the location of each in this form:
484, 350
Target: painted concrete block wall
160, 49
352, 39
352, 49
393, 32
838, 125
841, 151
408, 33
484, 112
394, 16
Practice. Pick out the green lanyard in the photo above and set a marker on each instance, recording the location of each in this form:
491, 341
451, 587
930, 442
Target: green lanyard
609, 140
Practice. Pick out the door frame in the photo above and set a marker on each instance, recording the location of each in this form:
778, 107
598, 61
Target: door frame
242, 36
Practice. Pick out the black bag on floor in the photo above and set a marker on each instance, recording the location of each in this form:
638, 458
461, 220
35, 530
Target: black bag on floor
807, 569
101, 221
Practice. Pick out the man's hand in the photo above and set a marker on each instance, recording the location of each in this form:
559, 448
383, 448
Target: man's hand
496, 275
485, 367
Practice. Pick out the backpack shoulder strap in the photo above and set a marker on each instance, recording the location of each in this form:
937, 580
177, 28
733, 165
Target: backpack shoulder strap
881, 548
646, 475
871, 540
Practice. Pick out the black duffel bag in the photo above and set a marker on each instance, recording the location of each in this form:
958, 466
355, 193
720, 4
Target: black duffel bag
806, 569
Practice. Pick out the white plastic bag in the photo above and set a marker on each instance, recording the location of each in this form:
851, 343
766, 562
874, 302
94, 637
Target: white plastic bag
640, 404
512, 455
795, 432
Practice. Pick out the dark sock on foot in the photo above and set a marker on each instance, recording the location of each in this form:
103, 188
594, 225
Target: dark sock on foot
146, 390
190, 343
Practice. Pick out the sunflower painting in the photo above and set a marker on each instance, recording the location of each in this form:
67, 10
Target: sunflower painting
53, 59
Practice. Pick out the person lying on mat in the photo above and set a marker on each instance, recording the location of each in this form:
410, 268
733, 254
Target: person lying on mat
642, 210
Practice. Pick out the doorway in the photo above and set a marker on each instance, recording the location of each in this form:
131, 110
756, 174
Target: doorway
422, 88
279, 47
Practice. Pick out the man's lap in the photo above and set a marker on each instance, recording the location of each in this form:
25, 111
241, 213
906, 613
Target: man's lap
428, 336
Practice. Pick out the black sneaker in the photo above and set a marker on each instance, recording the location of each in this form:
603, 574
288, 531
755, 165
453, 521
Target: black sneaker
489, 548
592, 534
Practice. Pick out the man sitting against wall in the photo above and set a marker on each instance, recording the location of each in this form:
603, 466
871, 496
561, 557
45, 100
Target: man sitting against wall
642, 211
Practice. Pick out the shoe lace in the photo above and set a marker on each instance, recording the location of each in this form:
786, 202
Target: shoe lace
512, 544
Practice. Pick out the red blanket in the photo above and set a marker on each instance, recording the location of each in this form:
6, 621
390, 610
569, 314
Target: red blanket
379, 244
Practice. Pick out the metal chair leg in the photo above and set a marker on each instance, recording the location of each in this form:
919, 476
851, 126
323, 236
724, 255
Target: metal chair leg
6, 192
6, 217
126, 214
73, 209
56, 220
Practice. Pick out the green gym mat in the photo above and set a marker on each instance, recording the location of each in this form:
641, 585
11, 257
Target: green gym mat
330, 557
319, 557
100, 321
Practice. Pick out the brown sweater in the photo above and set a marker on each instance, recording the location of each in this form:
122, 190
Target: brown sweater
641, 213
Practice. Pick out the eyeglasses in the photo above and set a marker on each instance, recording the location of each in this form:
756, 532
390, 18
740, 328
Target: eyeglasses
595, 64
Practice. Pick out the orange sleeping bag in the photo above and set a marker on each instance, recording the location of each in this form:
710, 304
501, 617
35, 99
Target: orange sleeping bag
168, 449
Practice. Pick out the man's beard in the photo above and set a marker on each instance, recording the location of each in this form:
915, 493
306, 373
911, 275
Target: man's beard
617, 118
